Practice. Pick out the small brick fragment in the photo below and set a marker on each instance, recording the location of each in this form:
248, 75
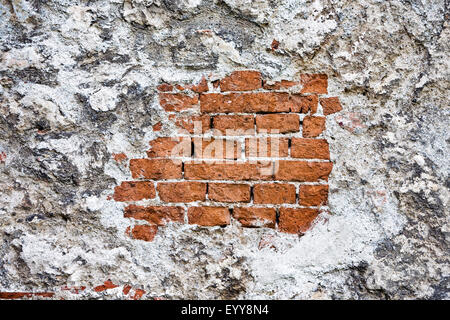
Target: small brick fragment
313, 126
144, 232
170, 147
177, 101
310, 148
302, 171
330, 105
165, 87
296, 220
313, 195
119, 157
241, 81
274, 193
182, 191
209, 216
227, 192
155, 169
278, 123
105, 286
158, 215
252, 217
134, 191
314, 83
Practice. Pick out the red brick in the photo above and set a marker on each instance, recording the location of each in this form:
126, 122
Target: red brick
157, 127
181, 191
278, 123
105, 286
296, 220
313, 195
177, 101
313, 126
192, 123
267, 147
20, 295
143, 232
155, 169
310, 148
165, 87
170, 147
279, 85
157, 215
228, 171
227, 192
241, 81
274, 193
314, 83
134, 191
330, 105
304, 104
302, 171
202, 86
216, 148
236, 125
255, 217
245, 102
120, 157
209, 216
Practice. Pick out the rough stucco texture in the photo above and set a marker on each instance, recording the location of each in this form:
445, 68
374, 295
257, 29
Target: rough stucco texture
78, 97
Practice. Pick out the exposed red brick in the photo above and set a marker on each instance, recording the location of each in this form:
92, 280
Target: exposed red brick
234, 125
279, 85
313, 126
157, 127
278, 123
134, 191
209, 216
296, 220
202, 86
228, 171
267, 147
241, 81
304, 104
170, 147
245, 102
119, 157
274, 193
330, 105
177, 101
303, 171
310, 148
227, 192
201, 124
138, 293
105, 286
20, 295
255, 217
181, 191
314, 83
165, 87
275, 44
157, 215
126, 289
313, 195
216, 148
155, 169
144, 232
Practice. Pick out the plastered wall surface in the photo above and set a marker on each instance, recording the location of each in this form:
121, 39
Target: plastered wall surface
86, 88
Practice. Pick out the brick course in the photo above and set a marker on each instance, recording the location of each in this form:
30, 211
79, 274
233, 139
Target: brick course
231, 167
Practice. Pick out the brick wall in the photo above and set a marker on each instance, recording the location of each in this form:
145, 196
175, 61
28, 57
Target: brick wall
246, 151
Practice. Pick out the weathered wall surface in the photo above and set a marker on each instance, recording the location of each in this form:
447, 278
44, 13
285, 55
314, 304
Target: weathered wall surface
79, 91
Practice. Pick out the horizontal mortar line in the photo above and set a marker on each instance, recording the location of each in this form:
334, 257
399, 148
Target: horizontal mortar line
229, 205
